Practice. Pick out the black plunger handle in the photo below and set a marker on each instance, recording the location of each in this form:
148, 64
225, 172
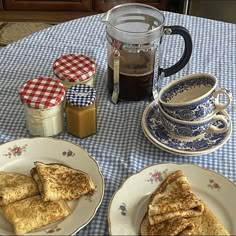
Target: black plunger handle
172, 30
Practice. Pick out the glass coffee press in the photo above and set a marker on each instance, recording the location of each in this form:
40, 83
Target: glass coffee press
134, 33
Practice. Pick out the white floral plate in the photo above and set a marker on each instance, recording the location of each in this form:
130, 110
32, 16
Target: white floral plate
19, 156
129, 203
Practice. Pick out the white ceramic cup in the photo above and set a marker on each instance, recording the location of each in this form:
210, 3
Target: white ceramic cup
193, 128
193, 97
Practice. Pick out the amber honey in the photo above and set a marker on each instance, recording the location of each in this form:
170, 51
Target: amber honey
81, 115
81, 121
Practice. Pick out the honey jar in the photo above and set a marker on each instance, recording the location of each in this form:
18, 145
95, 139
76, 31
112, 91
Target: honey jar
43, 104
81, 110
72, 69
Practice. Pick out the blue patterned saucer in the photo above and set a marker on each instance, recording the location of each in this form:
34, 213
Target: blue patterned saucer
185, 146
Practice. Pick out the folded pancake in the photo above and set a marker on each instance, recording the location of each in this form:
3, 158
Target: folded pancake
32, 213
208, 224
174, 226
15, 186
173, 197
205, 224
57, 181
36, 178
173, 209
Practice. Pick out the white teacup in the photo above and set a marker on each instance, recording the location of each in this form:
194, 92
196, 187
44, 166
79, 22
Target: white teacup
193, 97
193, 128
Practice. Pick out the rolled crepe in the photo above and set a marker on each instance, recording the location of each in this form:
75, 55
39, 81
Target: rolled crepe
205, 224
32, 213
174, 209
57, 181
15, 186
174, 226
173, 198
208, 224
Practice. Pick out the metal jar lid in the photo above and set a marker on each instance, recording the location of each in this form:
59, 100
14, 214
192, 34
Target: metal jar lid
81, 95
74, 68
42, 92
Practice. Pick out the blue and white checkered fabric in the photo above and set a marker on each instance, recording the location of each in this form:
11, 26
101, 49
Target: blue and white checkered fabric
119, 146
81, 95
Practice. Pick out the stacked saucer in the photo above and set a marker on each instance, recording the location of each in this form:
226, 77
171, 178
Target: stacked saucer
187, 118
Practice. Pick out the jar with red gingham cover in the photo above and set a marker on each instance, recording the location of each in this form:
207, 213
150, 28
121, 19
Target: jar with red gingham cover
72, 69
43, 104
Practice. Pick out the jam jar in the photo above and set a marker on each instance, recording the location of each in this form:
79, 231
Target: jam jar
72, 69
42, 99
81, 110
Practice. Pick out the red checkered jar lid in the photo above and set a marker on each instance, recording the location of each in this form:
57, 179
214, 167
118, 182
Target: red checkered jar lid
74, 68
42, 92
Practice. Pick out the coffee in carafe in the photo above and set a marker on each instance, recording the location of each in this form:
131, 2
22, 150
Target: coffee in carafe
133, 33
135, 75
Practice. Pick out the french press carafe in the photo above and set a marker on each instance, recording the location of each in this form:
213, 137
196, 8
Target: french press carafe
134, 33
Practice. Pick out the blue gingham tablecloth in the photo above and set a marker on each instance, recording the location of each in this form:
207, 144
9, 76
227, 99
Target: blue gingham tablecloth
119, 146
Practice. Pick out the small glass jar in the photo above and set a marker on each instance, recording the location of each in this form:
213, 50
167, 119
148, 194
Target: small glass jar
81, 110
43, 104
72, 69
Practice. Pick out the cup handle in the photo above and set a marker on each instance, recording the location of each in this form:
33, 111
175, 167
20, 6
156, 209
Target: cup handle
172, 30
222, 106
217, 130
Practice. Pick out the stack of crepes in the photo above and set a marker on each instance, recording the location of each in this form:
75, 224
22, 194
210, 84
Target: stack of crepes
174, 209
29, 203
